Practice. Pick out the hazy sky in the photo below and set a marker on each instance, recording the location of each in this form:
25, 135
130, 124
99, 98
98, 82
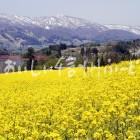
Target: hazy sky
100, 11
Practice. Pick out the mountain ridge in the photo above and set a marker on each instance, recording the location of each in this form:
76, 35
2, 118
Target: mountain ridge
55, 21
40, 31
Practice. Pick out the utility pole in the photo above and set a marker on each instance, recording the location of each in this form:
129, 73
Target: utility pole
134, 41
85, 57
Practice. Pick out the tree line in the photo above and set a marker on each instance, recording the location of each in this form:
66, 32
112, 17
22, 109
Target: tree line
113, 52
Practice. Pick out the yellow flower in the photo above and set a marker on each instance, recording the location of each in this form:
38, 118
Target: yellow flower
97, 136
53, 106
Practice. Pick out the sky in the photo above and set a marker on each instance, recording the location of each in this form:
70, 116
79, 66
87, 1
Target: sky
124, 12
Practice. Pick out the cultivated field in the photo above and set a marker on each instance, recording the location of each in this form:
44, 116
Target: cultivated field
102, 104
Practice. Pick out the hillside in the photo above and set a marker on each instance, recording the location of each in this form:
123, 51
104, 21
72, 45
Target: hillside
20, 32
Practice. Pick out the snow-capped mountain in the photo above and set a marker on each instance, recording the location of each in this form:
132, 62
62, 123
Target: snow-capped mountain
65, 21
14, 19
135, 30
17, 31
51, 22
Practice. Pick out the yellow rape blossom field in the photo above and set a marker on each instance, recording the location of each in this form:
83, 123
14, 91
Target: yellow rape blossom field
69, 104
